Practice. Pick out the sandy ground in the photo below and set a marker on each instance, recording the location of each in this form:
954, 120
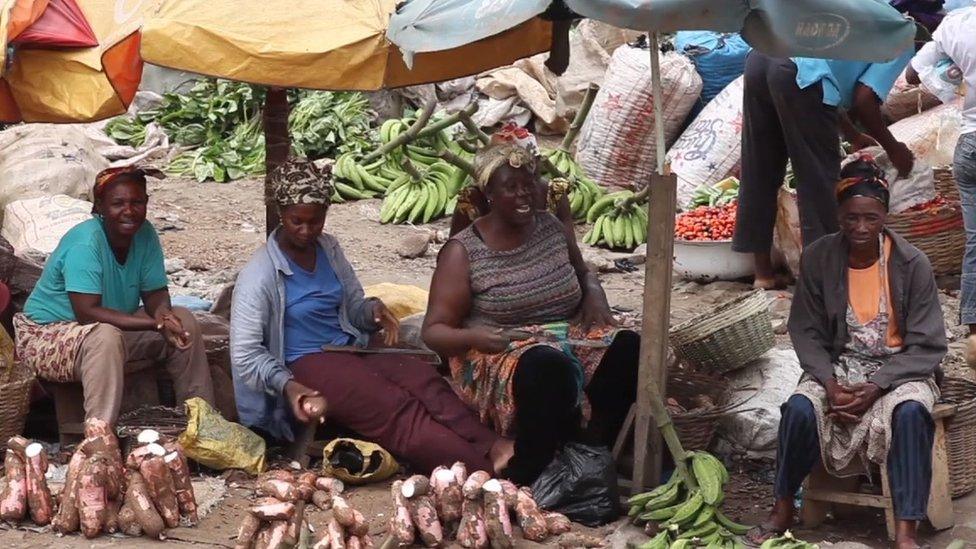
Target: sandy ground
214, 228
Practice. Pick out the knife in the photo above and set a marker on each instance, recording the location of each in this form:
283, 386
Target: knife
520, 335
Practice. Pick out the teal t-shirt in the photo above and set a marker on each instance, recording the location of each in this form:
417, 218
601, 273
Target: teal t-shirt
84, 263
840, 77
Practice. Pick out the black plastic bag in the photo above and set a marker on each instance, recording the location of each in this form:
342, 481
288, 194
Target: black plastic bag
581, 483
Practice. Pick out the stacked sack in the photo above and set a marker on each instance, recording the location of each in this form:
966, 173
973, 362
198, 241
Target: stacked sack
719, 57
617, 145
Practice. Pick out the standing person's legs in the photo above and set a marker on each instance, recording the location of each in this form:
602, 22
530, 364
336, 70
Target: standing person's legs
813, 142
546, 410
763, 169
910, 467
99, 366
423, 382
362, 399
189, 369
964, 171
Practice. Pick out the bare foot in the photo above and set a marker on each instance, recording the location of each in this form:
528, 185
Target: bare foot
779, 520
971, 351
501, 452
906, 532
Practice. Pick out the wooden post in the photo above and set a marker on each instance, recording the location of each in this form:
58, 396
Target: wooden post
652, 373
277, 144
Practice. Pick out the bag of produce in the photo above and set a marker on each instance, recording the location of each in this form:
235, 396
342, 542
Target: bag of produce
719, 57
906, 99
581, 483
931, 135
217, 443
617, 146
710, 148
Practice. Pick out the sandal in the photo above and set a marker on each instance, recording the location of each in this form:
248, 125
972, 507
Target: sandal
759, 534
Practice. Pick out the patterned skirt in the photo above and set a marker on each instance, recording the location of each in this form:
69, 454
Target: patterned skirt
484, 381
50, 349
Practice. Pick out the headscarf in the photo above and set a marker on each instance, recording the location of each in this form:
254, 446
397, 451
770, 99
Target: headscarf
132, 173
300, 181
865, 179
498, 154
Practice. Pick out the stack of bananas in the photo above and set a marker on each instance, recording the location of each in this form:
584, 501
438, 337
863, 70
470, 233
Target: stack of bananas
584, 192
787, 541
618, 222
354, 181
689, 517
418, 200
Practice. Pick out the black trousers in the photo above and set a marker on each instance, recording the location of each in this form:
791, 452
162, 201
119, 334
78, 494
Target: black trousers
547, 403
783, 122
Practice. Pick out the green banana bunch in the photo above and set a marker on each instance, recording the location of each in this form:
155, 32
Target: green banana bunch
583, 192
787, 541
622, 224
410, 200
354, 181
690, 517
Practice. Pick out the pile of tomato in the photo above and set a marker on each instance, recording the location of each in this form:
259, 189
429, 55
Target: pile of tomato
706, 223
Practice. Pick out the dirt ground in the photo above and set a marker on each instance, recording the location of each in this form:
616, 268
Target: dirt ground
214, 228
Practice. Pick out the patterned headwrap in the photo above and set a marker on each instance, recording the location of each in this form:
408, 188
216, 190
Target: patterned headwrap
300, 181
497, 155
131, 173
866, 179
517, 135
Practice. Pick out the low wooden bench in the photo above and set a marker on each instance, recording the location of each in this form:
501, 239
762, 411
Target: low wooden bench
822, 491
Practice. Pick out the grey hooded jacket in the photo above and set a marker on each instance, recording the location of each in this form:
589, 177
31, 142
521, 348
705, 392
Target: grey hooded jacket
257, 346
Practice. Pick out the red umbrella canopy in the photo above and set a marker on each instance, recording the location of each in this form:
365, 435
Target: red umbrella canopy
61, 25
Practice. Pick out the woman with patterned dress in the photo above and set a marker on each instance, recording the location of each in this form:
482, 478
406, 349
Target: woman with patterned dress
527, 329
869, 332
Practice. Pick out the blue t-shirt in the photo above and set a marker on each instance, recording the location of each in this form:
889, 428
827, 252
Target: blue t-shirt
84, 263
312, 302
840, 77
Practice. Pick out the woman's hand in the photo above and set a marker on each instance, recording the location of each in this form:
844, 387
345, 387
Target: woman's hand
864, 396
487, 340
388, 322
306, 405
172, 329
595, 311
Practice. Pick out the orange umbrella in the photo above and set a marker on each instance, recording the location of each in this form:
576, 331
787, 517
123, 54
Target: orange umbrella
71, 60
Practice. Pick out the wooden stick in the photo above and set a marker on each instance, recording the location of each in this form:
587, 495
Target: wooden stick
580, 117
422, 118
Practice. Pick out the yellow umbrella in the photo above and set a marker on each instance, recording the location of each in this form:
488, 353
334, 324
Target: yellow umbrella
321, 44
72, 84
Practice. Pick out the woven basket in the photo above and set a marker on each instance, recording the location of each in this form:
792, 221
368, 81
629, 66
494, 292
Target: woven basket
696, 427
938, 233
727, 337
961, 434
15, 391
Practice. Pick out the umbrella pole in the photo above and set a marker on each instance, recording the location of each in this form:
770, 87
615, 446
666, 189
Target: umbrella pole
652, 370
276, 147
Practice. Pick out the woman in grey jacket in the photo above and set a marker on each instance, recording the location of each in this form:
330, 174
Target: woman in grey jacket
869, 332
298, 293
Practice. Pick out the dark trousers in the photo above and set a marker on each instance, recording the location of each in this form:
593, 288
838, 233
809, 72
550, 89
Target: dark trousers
547, 403
909, 457
783, 122
400, 403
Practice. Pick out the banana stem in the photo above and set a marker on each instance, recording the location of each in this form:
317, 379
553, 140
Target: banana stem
580, 117
639, 197
449, 121
474, 129
670, 435
461, 163
422, 118
468, 146
411, 170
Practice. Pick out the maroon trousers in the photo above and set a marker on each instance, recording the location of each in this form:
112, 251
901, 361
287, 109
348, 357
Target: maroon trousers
400, 403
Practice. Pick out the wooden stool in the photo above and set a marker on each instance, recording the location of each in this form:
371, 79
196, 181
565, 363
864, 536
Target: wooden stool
821, 490
69, 400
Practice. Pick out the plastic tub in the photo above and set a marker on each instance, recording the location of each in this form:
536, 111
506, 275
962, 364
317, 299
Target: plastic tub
710, 260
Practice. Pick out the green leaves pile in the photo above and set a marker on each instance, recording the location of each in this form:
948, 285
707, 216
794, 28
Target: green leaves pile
220, 122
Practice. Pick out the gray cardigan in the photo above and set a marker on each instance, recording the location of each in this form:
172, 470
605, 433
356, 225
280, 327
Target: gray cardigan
818, 318
257, 346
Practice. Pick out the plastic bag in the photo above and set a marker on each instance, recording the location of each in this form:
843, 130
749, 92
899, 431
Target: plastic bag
581, 483
357, 462
220, 444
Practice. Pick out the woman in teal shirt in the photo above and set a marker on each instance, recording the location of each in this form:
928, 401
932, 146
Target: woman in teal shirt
83, 321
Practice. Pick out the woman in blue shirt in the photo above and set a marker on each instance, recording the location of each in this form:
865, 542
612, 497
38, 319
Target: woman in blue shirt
83, 321
297, 294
